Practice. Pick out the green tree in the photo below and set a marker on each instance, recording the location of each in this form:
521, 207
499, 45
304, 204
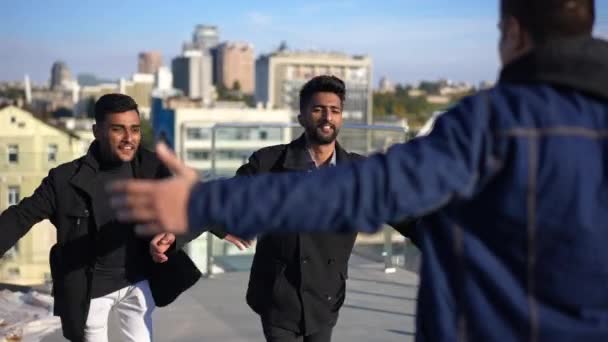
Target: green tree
12, 93
249, 100
147, 134
236, 86
430, 87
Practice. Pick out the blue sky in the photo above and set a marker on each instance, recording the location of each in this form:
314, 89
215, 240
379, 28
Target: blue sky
408, 40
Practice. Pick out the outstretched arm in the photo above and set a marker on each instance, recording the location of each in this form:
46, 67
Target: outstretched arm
17, 220
411, 180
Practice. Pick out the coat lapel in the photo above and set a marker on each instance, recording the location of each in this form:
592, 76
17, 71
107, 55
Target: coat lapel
341, 155
297, 157
84, 178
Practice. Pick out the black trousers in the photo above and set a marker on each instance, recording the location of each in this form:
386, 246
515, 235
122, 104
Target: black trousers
276, 334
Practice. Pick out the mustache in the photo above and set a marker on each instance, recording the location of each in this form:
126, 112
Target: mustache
326, 123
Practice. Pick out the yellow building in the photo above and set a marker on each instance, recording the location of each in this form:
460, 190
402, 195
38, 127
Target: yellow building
29, 148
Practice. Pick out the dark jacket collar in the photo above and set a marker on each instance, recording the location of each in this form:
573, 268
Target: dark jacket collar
85, 174
297, 156
579, 63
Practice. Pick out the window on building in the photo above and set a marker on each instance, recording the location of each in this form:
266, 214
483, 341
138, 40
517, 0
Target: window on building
52, 153
227, 133
13, 119
233, 155
271, 133
13, 195
13, 154
197, 155
249, 133
198, 133
13, 198
14, 272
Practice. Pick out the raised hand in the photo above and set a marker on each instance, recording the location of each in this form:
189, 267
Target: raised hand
156, 205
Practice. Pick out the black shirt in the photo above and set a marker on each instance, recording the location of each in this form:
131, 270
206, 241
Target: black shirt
119, 254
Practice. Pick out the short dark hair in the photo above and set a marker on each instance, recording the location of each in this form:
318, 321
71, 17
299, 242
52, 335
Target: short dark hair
113, 103
324, 83
549, 19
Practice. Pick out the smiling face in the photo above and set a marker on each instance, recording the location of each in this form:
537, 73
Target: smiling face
119, 136
322, 118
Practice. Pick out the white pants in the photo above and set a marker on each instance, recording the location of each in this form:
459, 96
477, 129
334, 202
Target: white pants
133, 305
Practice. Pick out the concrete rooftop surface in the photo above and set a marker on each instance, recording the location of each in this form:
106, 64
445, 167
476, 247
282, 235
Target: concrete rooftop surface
379, 307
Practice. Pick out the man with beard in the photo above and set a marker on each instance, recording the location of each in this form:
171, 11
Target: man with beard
98, 264
297, 281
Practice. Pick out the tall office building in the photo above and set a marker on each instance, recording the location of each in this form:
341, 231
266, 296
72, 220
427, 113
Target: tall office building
280, 75
163, 79
386, 86
139, 87
235, 63
60, 75
148, 62
192, 74
205, 37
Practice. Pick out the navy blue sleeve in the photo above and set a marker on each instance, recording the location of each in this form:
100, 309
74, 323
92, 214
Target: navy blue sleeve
410, 180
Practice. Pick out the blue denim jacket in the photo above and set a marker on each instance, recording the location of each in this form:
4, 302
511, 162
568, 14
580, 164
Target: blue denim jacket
512, 185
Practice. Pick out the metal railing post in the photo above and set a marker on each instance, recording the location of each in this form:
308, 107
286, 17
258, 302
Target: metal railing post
213, 172
388, 250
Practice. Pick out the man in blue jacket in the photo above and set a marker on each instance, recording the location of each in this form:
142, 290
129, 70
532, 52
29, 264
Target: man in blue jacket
512, 184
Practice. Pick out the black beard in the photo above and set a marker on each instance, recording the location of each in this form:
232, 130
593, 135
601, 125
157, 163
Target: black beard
318, 139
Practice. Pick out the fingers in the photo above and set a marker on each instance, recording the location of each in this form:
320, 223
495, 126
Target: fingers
239, 243
131, 187
165, 239
244, 243
168, 239
159, 258
133, 200
175, 164
156, 246
234, 241
159, 245
157, 239
170, 159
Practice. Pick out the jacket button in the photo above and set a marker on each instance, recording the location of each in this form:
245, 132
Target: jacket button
329, 298
330, 261
305, 261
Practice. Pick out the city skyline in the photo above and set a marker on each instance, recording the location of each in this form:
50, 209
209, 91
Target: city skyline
407, 40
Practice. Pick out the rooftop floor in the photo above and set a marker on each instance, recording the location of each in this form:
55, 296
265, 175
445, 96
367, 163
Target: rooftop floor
379, 307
